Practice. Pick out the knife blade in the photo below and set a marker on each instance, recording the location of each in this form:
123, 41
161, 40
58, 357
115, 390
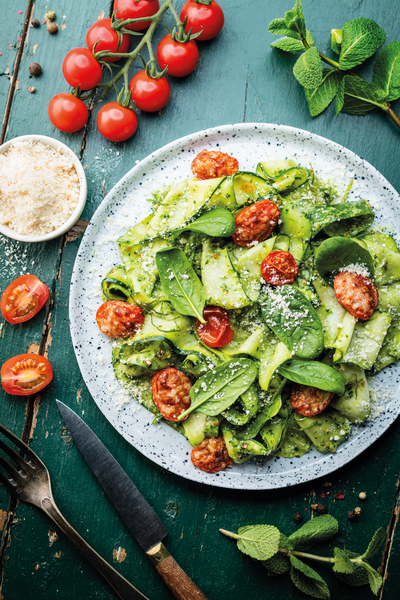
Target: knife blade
133, 508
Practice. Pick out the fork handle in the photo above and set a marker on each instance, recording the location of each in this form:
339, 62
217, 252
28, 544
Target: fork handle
124, 589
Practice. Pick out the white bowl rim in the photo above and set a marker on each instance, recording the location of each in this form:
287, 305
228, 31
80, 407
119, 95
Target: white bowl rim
47, 140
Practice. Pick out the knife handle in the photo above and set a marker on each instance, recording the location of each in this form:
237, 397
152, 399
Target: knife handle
174, 576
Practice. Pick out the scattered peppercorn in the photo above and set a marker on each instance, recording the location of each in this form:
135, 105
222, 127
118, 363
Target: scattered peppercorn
52, 28
314, 506
321, 509
358, 511
340, 495
51, 15
31, 89
326, 484
35, 69
362, 496
35, 23
351, 515
298, 517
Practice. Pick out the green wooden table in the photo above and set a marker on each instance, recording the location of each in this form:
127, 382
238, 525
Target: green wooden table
239, 79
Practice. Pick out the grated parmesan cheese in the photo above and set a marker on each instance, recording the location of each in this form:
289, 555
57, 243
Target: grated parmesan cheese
39, 188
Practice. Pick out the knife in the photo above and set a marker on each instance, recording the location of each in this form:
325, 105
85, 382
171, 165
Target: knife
135, 511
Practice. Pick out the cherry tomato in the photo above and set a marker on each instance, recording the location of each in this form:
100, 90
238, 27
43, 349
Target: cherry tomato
309, 401
209, 164
23, 299
109, 39
134, 9
67, 113
25, 374
210, 18
216, 332
181, 58
256, 223
171, 392
118, 319
81, 68
149, 94
279, 267
116, 123
357, 294
211, 455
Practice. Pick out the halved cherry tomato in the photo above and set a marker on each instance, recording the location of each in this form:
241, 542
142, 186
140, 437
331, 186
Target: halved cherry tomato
118, 319
116, 123
149, 94
67, 112
256, 223
136, 9
25, 374
171, 392
81, 68
211, 455
108, 39
216, 332
279, 267
210, 18
23, 298
357, 294
181, 58
212, 163
308, 400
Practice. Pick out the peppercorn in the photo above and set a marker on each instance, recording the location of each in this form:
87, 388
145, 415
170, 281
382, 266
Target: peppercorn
314, 506
362, 496
358, 511
321, 509
298, 517
351, 515
31, 89
51, 15
35, 69
52, 28
35, 23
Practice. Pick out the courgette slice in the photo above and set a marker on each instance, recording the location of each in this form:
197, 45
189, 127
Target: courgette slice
326, 430
116, 284
367, 340
355, 403
285, 175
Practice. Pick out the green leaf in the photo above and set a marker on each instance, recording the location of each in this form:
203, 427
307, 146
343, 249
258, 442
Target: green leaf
359, 97
374, 544
374, 579
315, 374
387, 71
258, 541
320, 97
307, 580
278, 27
338, 253
336, 40
308, 69
343, 219
180, 283
277, 565
358, 577
291, 45
294, 19
313, 532
220, 387
218, 222
344, 564
361, 38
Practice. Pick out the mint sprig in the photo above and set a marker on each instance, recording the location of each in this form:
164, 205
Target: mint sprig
357, 41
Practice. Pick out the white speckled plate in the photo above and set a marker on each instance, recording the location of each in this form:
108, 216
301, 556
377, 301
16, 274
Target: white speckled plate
125, 205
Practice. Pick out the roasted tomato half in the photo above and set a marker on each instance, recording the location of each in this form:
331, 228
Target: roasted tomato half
309, 401
256, 223
211, 455
279, 267
23, 298
210, 164
171, 392
118, 319
357, 294
216, 332
25, 374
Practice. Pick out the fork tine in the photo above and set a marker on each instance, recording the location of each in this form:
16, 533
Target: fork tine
23, 464
12, 471
7, 484
18, 442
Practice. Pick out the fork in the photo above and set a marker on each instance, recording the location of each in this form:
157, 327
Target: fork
30, 482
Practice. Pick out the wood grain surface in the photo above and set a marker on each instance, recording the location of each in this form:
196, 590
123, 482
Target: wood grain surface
239, 79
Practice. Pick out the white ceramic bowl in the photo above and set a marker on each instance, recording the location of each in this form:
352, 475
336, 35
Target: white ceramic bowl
82, 190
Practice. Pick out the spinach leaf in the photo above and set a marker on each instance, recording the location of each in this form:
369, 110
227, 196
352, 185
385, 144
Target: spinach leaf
315, 374
218, 222
294, 321
346, 218
180, 283
337, 253
219, 388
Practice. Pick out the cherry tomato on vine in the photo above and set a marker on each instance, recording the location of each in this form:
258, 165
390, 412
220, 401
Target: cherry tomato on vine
81, 68
109, 39
210, 18
216, 332
136, 9
279, 267
149, 94
116, 123
25, 374
181, 58
23, 299
67, 112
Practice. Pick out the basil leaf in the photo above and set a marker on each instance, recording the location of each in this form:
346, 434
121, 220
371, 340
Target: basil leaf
294, 321
337, 253
180, 283
315, 374
218, 222
220, 387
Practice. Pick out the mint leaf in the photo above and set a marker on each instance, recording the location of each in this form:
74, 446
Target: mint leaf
291, 45
374, 544
284, 542
336, 40
320, 97
294, 19
277, 565
317, 530
387, 71
358, 577
258, 541
308, 69
358, 97
278, 27
307, 580
361, 38
344, 564
374, 579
